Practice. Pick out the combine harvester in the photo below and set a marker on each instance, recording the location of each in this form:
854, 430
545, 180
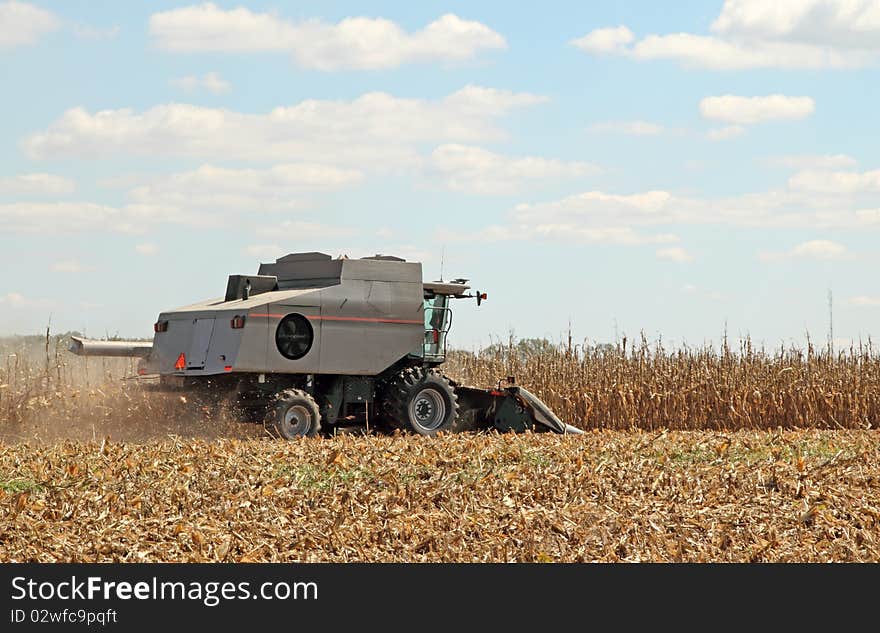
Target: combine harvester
312, 343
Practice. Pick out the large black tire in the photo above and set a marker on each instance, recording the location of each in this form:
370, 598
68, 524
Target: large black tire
421, 401
295, 414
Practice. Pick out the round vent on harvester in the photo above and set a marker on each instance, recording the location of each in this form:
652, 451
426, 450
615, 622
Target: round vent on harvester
294, 336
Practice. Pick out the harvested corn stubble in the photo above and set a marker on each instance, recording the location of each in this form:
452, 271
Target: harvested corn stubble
606, 496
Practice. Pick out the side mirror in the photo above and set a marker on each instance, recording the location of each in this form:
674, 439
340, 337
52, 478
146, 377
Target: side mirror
481, 296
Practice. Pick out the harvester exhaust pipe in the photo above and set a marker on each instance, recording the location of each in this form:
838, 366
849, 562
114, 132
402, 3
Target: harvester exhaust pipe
122, 349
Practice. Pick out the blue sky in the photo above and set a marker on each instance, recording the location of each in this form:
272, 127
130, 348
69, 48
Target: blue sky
618, 167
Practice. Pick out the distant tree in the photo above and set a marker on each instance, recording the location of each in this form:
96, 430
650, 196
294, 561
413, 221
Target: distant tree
523, 348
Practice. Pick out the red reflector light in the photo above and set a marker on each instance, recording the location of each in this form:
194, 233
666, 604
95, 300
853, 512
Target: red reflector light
227, 368
181, 361
160, 326
484, 296
237, 322
142, 372
436, 336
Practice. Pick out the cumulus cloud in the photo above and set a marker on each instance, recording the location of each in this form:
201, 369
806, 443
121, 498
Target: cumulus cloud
355, 43
375, 129
22, 24
211, 187
630, 128
212, 82
47, 217
808, 34
864, 301
200, 197
651, 217
813, 249
840, 23
70, 266
725, 133
590, 217
477, 170
750, 110
304, 231
146, 248
606, 40
264, 252
820, 249
675, 254
36, 184
836, 182
810, 161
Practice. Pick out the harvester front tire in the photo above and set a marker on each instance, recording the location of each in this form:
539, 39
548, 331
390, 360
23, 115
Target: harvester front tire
296, 414
422, 401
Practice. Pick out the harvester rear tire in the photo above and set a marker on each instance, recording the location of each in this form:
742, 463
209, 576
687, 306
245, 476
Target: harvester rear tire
296, 414
422, 401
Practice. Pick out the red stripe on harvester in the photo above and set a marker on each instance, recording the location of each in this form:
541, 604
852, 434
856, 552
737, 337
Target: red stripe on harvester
336, 318
366, 319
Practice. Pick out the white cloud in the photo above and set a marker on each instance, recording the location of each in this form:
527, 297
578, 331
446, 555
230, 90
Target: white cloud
820, 249
264, 252
593, 204
201, 197
590, 217
725, 133
605, 40
700, 51
749, 110
864, 301
375, 129
22, 23
809, 162
305, 230
843, 23
39, 184
647, 217
836, 182
70, 266
675, 254
209, 187
14, 299
477, 170
354, 43
48, 217
146, 249
212, 82
799, 34
631, 128
572, 232
813, 249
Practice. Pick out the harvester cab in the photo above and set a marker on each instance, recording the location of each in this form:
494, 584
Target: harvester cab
311, 343
438, 315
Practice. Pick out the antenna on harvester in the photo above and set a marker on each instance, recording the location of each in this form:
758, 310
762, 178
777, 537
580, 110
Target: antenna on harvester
830, 323
442, 257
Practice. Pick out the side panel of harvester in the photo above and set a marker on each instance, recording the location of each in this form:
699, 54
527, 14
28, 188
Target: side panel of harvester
373, 318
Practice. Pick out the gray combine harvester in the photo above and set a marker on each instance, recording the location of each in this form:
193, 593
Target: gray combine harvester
311, 343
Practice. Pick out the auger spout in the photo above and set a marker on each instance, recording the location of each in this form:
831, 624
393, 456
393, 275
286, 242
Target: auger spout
123, 349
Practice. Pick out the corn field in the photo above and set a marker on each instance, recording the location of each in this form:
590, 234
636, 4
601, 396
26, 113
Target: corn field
92, 468
648, 387
49, 393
